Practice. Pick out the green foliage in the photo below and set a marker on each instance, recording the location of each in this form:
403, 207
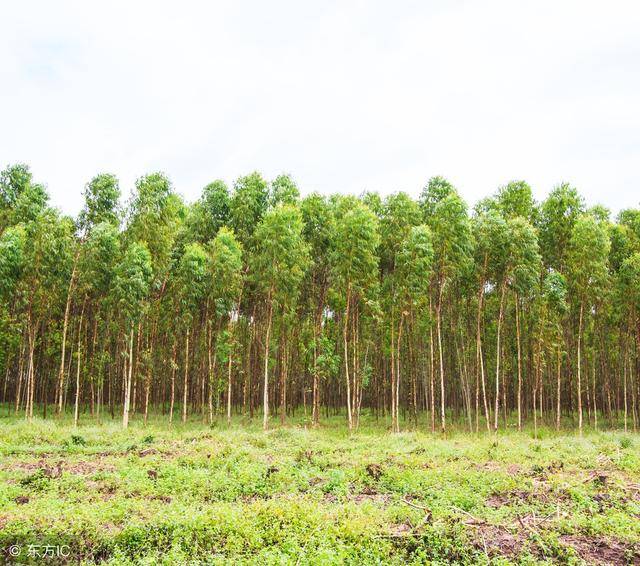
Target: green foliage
284, 191
353, 251
558, 214
12, 258
132, 281
101, 196
225, 269
282, 254
153, 217
100, 254
452, 234
209, 213
588, 253
630, 281
248, 204
516, 200
437, 190
415, 263
192, 280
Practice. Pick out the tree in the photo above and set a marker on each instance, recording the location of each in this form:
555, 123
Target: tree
101, 196
446, 213
555, 302
12, 258
225, 254
558, 214
318, 231
521, 275
414, 266
14, 181
354, 265
209, 213
131, 289
588, 272
399, 215
249, 202
192, 281
279, 264
284, 191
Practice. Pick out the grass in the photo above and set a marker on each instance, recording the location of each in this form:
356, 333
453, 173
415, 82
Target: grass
193, 494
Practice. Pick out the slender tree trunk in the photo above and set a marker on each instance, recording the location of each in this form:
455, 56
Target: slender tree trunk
79, 363
345, 330
579, 384
65, 325
185, 393
519, 364
558, 384
265, 393
173, 381
480, 356
441, 359
127, 395
498, 356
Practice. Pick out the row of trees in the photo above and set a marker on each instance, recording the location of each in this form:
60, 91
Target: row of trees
255, 299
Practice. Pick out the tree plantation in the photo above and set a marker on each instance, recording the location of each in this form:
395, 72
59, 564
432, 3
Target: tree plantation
257, 301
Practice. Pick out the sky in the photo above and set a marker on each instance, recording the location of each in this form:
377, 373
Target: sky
345, 96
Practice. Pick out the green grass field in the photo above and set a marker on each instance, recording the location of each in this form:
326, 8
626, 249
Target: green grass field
210, 495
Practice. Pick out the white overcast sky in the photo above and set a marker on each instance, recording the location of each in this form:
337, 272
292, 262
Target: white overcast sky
345, 96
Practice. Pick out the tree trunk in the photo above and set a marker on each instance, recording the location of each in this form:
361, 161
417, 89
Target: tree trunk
439, 335
579, 384
345, 330
65, 325
265, 393
127, 395
498, 352
185, 392
519, 364
77, 400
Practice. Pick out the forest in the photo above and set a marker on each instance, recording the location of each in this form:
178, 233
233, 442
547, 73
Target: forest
256, 301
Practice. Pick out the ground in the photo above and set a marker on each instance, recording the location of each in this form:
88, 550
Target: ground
194, 494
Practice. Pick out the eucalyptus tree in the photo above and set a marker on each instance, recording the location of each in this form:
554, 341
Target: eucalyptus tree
516, 199
554, 297
96, 267
399, 215
414, 266
101, 196
249, 202
154, 214
558, 215
319, 225
131, 288
587, 257
225, 264
354, 265
521, 275
47, 269
14, 181
101, 202
209, 213
490, 237
278, 267
446, 214
629, 287
12, 259
12, 263
192, 286
283, 191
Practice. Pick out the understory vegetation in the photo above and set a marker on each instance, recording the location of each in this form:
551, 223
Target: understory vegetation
218, 494
258, 302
